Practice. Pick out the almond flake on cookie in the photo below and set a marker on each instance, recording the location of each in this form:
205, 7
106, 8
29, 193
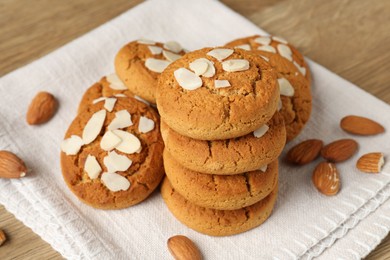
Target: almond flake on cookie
263, 168
203, 67
285, 51
142, 100
246, 47
263, 40
279, 39
267, 48
261, 131
115, 82
280, 104
93, 126
155, 50
130, 143
221, 83
235, 65
120, 95
301, 69
95, 101
116, 162
220, 54
145, 125
109, 104
146, 41
115, 182
264, 58
170, 56
173, 46
109, 141
122, 119
72, 145
286, 89
92, 167
187, 79
156, 65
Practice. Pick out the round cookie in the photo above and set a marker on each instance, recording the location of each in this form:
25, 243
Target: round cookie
139, 63
270, 44
91, 149
217, 222
296, 106
230, 156
223, 192
196, 108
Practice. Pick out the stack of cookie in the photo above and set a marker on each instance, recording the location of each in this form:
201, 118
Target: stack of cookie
223, 135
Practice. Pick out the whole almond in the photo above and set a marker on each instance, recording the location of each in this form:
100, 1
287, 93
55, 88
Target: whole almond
370, 162
11, 166
339, 150
181, 247
41, 109
305, 152
361, 125
326, 178
3, 238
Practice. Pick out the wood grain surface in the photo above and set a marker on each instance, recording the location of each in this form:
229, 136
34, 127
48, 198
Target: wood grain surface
349, 37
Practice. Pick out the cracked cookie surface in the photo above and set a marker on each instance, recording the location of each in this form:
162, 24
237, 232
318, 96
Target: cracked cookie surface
230, 156
223, 192
144, 174
210, 113
217, 222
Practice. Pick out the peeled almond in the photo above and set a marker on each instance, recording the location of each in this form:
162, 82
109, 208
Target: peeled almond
115, 182
115, 82
122, 119
187, 79
235, 65
261, 131
109, 141
130, 143
72, 145
145, 125
156, 65
93, 126
92, 167
286, 89
220, 54
263, 40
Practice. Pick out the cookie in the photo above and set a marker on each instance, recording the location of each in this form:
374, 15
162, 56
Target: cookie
139, 63
217, 222
274, 44
223, 192
230, 156
294, 88
112, 153
217, 93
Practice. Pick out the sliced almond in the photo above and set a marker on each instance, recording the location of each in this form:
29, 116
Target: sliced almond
94, 126
156, 65
173, 46
110, 141
130, 143
279, 39
199, 66
97, 100
171, 56
145, 124
182, 248
109, 104
122, 120
263, 40
221, 83
11, 166
115, 182
302, 70
359, 125
142, 100
267, 48
72, 145
115, 82
246, 47
234, 65
187, 79
115, 162
220, 54
261, 131
41, 109
264, 168
305, 152
280, 104
326, 178
92, 167
120, 95
264, 58
371, 162
339, 150
286, 89
285, 51
155, 50
146, 41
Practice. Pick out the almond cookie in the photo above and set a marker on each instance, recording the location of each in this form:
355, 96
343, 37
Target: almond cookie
217, 93
112, 153
230, 156
224, 192
139, 63
215, 222
295, 93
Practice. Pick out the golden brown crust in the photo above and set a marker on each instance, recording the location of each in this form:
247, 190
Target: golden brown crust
223, 192
217, 222
208, 113
144, 174
231, 156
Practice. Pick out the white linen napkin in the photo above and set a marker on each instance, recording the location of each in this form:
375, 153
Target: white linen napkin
304, 224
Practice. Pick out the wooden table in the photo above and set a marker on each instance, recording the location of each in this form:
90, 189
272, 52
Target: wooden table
351, 38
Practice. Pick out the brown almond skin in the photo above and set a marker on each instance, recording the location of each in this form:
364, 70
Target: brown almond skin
358, 125
41, 109
182, 248
326, 178
305, 152
370, 163
11, 166
3, 237
339, 150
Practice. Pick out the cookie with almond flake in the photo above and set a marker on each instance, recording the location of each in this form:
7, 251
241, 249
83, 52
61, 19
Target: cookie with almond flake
215, 222
112, 153
139, 63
